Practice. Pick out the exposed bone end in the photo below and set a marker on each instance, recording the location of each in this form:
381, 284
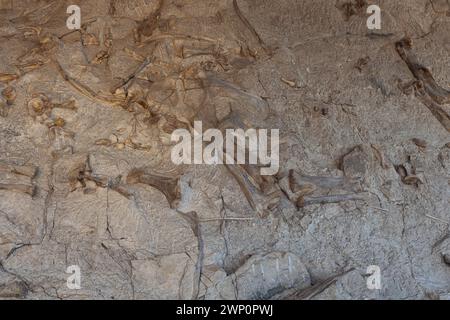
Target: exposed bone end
29, 171
28, 189
262, 202
134, 176
167, 185
405, 43
296, 185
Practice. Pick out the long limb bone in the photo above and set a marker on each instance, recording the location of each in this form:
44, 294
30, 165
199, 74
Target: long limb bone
307, 201
260, 202
421, 73
248, 25
81, 88
438, 112
28, 189
311, 292
29, 171
427, 90
261, 192
17, 178
261, 104
296, 180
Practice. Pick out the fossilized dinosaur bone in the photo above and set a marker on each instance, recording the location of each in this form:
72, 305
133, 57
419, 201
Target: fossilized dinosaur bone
262, 193
29, 171
427, 90
166, 184
17, 178
299, 188
311, 292
307, 201
296, 180
262, 203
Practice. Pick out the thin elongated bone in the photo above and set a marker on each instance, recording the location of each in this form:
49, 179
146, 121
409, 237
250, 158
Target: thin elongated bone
7, 177
344, 183
123, 190
438, 112
30, 66
81, 88
28, 189
17, 178
261, 192
427, 90
104, 182
167, 185
178, 37
226, 219
226, 84
311, 292
259, 202
29, 171
253, 195
267, 184
261, 103
132, 76
69, 105
421, 73
380, 155
307, 201
248, 25
193, 220
437, 219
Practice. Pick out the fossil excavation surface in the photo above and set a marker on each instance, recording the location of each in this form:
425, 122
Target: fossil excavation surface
87, 177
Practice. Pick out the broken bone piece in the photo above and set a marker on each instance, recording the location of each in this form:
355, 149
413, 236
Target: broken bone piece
409, 179
427, 90
259, 107
17, 178
263, 204
355, 163
379, 154
167, 185
29, 171
290, 83
310, 292
307, 201
28, 189
261, 192
249, 26
298, 182
8, 77
421, 73
438, 111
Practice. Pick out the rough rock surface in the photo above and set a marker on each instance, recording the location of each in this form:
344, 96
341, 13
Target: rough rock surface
85, 171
